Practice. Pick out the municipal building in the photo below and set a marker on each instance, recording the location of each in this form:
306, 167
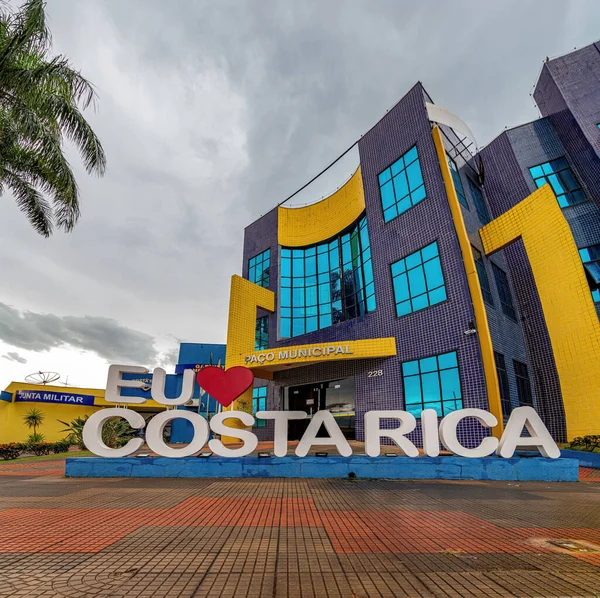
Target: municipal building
438, 276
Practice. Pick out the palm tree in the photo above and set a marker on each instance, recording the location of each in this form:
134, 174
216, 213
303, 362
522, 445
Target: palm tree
40, 97
33, 418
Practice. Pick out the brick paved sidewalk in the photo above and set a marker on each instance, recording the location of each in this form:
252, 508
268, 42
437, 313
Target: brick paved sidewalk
181, 538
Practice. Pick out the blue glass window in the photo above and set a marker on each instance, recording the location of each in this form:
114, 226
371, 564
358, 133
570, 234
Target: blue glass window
560, 176
503, 383
258, 268
457, 183
432, 383
259, 403
503, 287
479, 201
484, 282
401, 185
590, 256
418, 280
327, 283
261, 339
523, 384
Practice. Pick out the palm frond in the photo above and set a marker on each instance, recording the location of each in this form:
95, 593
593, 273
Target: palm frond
76, 129
31, 202
41, 99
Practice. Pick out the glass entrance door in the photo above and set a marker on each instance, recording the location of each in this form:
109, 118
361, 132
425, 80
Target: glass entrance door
336, 396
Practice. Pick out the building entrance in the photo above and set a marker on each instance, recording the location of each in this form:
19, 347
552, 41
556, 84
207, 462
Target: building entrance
336, 396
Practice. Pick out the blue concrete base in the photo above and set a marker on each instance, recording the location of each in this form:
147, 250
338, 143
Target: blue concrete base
585, 458
397, 468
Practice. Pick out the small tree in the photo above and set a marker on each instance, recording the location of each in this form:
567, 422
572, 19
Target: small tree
75, 430
34, 418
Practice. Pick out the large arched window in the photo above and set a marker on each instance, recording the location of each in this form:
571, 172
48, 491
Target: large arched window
327, 283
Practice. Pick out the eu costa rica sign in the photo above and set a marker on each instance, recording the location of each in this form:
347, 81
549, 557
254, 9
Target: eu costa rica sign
223, 385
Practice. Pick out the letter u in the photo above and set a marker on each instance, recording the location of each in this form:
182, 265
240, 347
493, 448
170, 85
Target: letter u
157, 391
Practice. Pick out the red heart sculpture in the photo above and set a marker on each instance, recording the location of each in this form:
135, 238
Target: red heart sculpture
225, 386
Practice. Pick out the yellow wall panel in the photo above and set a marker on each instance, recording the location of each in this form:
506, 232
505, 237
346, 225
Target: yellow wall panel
566, 300
312, 224
483, 329
13, 429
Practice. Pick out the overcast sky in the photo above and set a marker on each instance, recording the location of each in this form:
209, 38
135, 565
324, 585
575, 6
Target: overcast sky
213, 112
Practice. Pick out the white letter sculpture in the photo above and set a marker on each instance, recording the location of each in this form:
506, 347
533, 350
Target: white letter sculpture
92, 432
280, 436
154, 433
159, 377
374, 434
249, 440
114, 382
450, 441
539, 436
336, 438
431, 435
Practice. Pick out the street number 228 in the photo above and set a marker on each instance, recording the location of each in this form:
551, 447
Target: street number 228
374, 373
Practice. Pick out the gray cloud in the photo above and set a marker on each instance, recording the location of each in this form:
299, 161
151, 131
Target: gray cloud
213, 112
168, 359
104, 336
13, 356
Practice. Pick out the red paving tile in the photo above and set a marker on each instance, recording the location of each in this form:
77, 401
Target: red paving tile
587, 474
54, 467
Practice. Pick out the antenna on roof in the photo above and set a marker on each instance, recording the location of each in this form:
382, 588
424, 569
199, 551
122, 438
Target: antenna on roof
66, 382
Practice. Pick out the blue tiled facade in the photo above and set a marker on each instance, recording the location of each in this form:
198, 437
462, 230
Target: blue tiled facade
569, 100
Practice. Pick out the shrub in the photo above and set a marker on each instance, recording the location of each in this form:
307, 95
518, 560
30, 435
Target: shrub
586, 443
75, 430
62, 446
35, 437
115, 433
40, 448
10, 451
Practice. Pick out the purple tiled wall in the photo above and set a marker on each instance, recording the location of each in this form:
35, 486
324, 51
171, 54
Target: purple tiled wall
568, 93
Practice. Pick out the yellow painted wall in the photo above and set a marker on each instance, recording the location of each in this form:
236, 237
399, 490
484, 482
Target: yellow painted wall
566, 300
13, 429
312, 224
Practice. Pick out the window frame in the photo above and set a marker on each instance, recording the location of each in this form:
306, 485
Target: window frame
436, 355
489, 302
505, 401
254, 257
487, 217
439, 256
568, 191
596, 292
259, 332
452, 161
363, 296
519, 380
396, 201
512, 314
259, 423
